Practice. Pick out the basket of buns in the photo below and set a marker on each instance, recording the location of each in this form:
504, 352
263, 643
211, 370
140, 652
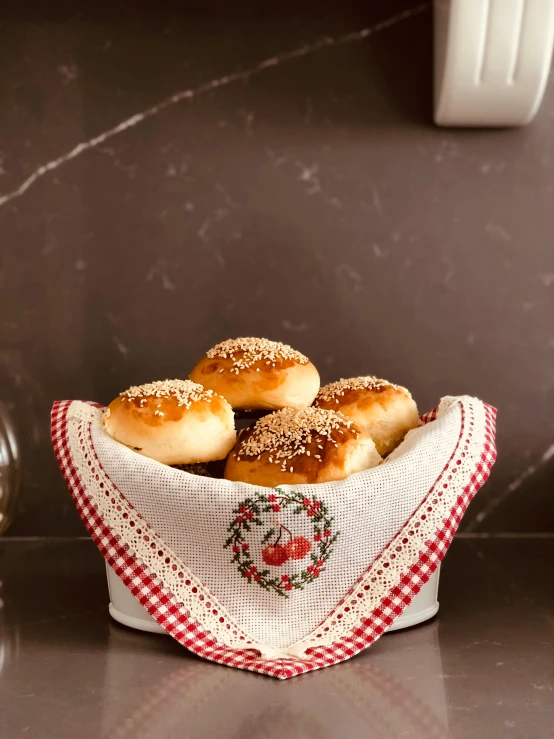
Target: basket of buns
265, 522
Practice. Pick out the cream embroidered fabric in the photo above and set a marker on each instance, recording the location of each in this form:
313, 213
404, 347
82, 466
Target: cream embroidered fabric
193, 518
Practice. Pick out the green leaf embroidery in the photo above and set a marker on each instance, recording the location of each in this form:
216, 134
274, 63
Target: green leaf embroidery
263, 504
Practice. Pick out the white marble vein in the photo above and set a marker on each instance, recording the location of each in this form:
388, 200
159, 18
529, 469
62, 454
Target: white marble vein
512, 487
194, 92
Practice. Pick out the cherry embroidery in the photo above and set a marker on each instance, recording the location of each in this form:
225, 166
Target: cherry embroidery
298, 547
275, 553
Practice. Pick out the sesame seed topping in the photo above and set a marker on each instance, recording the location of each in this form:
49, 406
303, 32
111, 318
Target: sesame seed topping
286, 433
245, 352
329, 392
185, 392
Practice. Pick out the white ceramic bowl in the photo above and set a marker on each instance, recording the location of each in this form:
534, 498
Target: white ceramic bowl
126, 609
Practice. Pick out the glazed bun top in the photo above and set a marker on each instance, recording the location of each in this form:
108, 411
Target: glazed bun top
300, 446
257, 373
172, 421
385, 411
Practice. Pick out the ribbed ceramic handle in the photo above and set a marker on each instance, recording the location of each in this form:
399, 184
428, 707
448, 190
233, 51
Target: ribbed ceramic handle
492, 59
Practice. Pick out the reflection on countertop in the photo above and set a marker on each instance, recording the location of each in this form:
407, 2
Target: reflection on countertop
483, 667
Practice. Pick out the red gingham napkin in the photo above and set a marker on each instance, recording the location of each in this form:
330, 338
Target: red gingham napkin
168, 579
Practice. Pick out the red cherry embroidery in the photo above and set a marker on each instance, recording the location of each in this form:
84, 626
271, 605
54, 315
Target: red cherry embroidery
275, 555
280, 544
298, 547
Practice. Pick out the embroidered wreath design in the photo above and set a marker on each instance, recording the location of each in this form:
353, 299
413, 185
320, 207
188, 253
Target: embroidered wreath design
280, 543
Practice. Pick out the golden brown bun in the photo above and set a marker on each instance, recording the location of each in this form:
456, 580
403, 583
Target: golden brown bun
294, 446
386, 412
174, 422
258, 373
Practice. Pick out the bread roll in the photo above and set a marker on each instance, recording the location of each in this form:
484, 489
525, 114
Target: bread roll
258, 373
174, 422
300, 446
386, 412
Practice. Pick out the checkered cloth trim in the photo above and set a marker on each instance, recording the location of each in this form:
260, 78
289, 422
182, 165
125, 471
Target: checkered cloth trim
425, 419
165, 609
411, 583
428, 417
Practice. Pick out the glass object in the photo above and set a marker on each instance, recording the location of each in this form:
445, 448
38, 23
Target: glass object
9, 468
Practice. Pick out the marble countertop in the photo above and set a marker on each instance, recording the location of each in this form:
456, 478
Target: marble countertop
175, 174
483, 667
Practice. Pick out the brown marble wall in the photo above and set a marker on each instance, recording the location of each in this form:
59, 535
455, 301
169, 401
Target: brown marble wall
161, 190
